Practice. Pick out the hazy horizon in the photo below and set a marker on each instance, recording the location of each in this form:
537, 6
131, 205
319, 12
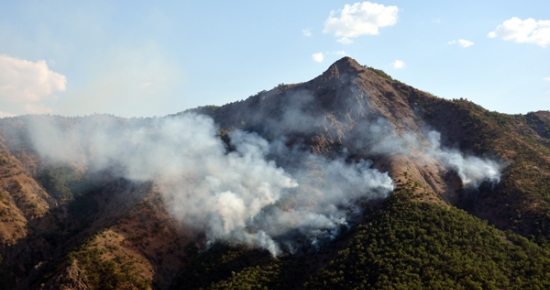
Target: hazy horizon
140, 59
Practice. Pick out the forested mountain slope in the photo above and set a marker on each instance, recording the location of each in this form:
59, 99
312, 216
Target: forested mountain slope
351, 180
339, 107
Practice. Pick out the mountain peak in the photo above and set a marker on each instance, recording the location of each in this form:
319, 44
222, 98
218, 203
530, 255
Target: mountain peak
346, 63
344, 66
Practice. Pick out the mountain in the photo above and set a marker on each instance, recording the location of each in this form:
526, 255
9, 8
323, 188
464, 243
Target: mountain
351, 180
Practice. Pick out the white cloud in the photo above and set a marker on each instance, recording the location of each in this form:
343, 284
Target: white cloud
318, 57
398, 64
547, 78
359, 19
306, 32
462, 42
38, 109
24, 81
345, 40
524, 31
147, 84
6, 115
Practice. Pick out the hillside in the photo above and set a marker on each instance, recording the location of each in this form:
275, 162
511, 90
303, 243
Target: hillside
350, 180
520, 142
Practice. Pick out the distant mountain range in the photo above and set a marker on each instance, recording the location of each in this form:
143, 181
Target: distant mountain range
352, 180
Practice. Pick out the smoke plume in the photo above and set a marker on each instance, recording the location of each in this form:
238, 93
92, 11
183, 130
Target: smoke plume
471, 170
233, 192
384, 140
247, 189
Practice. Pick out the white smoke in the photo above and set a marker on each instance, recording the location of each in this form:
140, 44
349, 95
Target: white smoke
257, 193
233, 195
471, 170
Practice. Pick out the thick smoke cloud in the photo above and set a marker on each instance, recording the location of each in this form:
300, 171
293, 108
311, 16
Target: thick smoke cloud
250, 190
237, 195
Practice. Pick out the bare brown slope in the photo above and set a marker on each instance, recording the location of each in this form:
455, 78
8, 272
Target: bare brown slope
24, 207
48, 239
346, 89
132, 243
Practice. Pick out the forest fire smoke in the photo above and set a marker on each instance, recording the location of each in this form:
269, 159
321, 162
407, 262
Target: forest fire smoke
234, 195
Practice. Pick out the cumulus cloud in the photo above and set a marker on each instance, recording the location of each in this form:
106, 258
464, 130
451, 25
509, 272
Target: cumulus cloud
318, 57
306, 32
524, 31
398, 64
359, 19
462, 42
27, 81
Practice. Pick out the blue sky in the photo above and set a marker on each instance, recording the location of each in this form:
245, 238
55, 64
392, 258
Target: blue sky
138, 58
